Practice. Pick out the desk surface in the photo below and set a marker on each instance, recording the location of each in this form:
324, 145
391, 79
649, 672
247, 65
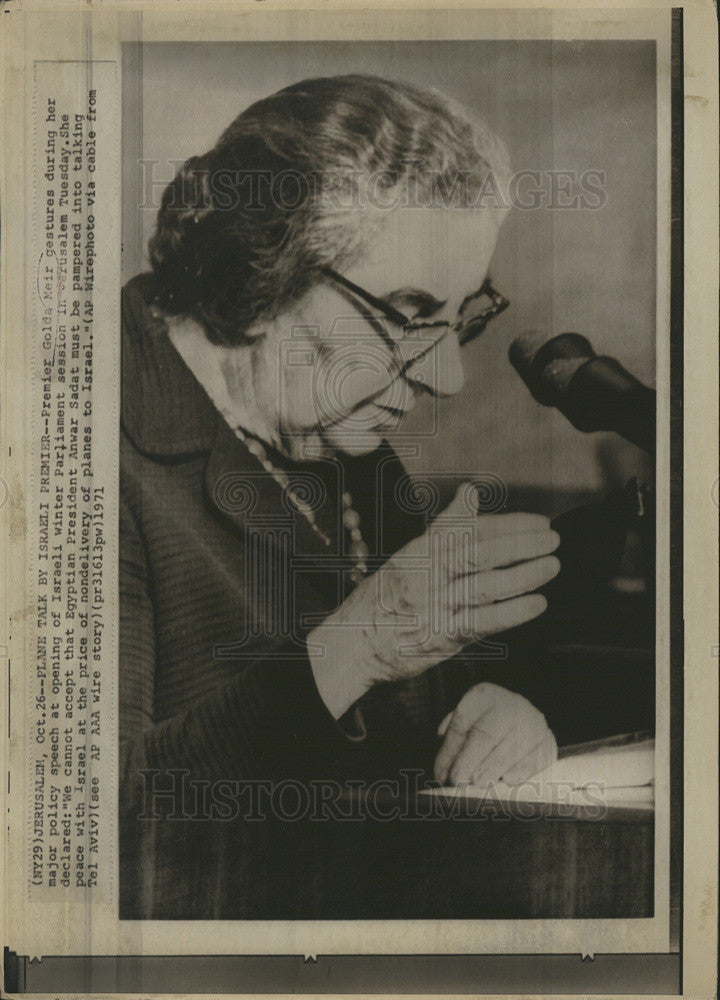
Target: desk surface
627, 805
440, 857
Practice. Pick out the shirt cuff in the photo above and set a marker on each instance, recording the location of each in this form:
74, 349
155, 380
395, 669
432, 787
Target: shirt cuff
353, 724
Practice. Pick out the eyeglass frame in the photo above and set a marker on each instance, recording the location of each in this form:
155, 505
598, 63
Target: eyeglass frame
499, 304
474, 327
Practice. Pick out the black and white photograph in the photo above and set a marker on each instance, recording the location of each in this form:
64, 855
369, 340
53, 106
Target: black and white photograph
387, 522
359, 488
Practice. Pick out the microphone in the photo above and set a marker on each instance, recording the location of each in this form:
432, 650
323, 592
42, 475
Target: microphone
594, 392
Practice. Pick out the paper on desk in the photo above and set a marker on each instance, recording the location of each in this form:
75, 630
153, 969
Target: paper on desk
629, 766
622, 775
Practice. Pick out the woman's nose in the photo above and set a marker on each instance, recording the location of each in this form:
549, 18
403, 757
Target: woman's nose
440, 371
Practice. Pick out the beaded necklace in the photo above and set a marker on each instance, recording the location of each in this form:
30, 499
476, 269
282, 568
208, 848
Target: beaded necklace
351, 519
203, 363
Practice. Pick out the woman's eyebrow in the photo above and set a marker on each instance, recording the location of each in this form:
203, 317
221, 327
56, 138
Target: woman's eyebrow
422, 302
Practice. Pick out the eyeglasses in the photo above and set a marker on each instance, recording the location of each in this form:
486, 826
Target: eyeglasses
484, 305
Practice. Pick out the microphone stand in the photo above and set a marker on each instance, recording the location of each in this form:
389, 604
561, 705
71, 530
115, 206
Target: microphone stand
593, 540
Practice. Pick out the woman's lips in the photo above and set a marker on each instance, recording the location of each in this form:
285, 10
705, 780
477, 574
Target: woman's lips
372, 419
388, 418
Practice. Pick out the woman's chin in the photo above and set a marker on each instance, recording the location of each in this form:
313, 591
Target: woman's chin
354, 441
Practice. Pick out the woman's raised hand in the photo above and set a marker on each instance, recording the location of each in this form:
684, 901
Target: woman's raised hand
467, 577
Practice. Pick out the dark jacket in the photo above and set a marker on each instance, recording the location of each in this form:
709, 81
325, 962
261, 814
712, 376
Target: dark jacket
220, 581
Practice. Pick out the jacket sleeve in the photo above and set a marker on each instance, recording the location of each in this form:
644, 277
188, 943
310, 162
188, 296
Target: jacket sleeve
267, 724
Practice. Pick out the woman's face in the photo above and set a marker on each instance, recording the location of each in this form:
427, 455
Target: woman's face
327, 375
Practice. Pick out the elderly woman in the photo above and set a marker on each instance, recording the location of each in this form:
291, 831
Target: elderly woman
286, 616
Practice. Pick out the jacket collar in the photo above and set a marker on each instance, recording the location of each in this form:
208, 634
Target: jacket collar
168, 416
165, 411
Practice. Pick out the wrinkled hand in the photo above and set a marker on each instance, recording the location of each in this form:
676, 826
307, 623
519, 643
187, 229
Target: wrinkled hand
493, 734
467, 577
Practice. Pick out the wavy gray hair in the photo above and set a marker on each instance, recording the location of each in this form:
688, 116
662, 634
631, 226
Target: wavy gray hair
246, 229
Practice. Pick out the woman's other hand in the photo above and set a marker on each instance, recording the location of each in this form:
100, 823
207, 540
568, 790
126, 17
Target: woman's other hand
493, 734
467, 577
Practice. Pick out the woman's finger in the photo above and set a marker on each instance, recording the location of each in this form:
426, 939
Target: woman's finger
490, 619
477, 700
442, 728
489, 730
495, 763
501, 584
484, 742
540, 757
455, 737
460, 726
462, 514
527, 733
505, 550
